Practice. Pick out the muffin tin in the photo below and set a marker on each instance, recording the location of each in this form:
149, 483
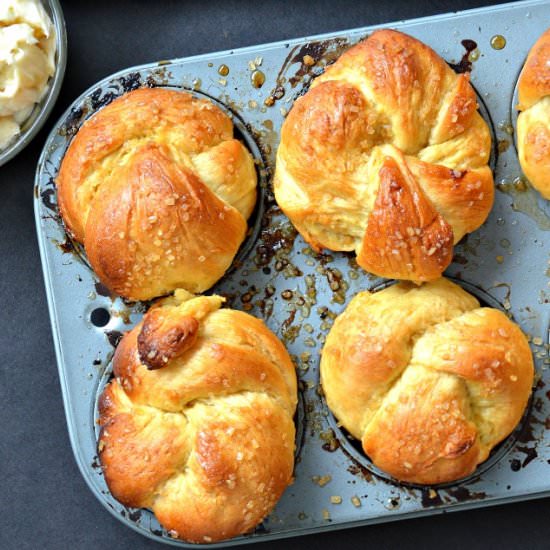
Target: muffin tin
277, 277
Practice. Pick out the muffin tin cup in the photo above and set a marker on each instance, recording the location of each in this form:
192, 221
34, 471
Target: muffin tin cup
77, 115
353, 449
525, 198
298, 293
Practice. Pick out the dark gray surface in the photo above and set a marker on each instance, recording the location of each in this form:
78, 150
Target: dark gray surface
45, 502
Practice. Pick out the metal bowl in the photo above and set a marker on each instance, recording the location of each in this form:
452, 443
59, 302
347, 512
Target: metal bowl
42, 110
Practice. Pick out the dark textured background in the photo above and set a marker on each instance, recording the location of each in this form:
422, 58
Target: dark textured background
44, 500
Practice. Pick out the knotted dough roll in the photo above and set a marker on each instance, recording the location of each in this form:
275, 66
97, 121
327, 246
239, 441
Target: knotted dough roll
197, 424
426, 379
158, 191
533, 125
387, 155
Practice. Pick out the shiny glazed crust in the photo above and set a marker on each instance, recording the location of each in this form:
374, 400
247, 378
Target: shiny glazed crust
205, 435
426, 379
387, 155
158, 191
534, 121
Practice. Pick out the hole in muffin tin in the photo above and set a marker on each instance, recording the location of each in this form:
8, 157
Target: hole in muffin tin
353, 449
100, 317
240, 132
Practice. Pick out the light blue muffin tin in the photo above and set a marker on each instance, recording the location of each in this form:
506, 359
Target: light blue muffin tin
279, 279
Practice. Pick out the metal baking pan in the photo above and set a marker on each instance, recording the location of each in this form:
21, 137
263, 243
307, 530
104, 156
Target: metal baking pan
298, 293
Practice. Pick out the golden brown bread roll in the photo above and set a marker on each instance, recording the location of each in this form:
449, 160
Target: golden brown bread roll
198, 423
534, 121
158, 191
427, 380
387, 155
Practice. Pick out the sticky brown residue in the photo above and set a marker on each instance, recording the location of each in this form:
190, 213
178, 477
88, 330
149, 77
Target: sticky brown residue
312, 58
465, 64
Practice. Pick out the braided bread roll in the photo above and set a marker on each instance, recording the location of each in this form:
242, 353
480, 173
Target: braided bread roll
387, 155
198, 423
534, 121
427, 380
158, 191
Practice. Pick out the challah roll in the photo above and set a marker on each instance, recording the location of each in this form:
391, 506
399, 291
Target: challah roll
533, 125
158, 191
426, 379
387, 155
197, 424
